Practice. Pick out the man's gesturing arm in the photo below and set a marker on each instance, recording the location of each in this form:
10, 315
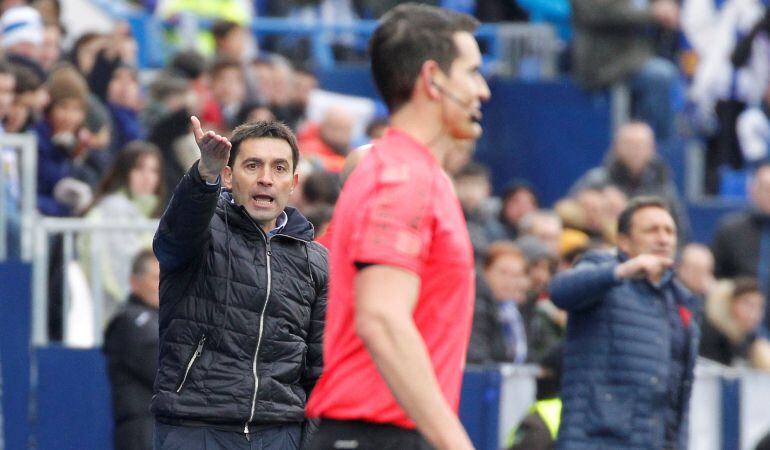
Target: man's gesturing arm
385, 299
183, 228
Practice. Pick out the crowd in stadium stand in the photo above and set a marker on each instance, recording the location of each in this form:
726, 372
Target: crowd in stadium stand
112, 144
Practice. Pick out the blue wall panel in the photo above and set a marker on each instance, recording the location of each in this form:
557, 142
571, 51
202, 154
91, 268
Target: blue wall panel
73, 399
14, 350
548, 133
480, 406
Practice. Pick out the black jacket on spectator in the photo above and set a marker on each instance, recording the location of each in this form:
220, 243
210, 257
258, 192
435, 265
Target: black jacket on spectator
611, 40
131, 348
241, 313
736, 244
487, 344
165, 134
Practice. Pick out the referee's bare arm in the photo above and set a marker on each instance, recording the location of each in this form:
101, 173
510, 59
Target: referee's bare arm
385, 300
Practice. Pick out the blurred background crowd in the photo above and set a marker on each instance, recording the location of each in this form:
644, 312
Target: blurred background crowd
113, 139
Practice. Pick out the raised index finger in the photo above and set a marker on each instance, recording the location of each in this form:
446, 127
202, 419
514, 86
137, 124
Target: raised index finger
196, 128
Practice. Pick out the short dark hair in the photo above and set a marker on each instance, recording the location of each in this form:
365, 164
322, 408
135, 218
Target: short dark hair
188, 64
321, 188
515, 186
221, 28
223, 63
139, 263
744, 285
263, 129
409, 35
637, 203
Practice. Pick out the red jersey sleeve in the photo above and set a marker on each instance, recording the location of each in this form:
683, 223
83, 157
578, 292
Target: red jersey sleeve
397, 224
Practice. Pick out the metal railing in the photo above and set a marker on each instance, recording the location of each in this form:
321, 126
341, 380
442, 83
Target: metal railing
25, 146
70, 230
527, 50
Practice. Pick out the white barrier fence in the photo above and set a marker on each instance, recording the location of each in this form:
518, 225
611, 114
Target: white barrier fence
710, 426
18, 153
83, 314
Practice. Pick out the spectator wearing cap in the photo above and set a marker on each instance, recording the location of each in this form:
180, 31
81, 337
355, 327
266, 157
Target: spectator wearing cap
21, 32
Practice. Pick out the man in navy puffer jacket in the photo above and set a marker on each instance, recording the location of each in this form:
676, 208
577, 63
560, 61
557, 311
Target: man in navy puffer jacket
631, 340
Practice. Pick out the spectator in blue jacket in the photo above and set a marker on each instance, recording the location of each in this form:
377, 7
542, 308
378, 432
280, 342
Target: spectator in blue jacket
631, 339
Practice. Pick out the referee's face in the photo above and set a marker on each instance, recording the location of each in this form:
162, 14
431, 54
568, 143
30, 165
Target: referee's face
464, 90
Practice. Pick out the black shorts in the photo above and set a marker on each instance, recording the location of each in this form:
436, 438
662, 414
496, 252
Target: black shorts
359, 435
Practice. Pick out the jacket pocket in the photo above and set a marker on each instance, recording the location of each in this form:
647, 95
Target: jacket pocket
611, 411
197, 354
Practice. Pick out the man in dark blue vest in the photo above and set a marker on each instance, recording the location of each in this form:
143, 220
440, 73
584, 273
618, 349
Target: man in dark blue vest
631, 340
742, 241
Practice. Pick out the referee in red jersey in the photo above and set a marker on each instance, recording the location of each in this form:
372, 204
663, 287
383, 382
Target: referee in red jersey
402, 276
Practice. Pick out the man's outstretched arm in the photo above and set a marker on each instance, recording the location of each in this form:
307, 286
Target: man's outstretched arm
385, 299
184, 225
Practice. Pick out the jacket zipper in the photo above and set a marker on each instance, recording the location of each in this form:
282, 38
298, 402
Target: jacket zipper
195, 356
268, 254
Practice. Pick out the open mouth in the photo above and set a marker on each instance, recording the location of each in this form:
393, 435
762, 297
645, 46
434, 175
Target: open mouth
263, 200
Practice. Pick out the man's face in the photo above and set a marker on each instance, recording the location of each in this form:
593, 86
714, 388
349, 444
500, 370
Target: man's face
507, 278
228, 86
652, 231
336, 130
145, 177
696, 269
760, 189
146, 285
123, 89
468, 86
262, 178
635, 147
234, 43
518, 205
67, 116
548, 230
748, 310
51, 48
472, 191
7, 86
